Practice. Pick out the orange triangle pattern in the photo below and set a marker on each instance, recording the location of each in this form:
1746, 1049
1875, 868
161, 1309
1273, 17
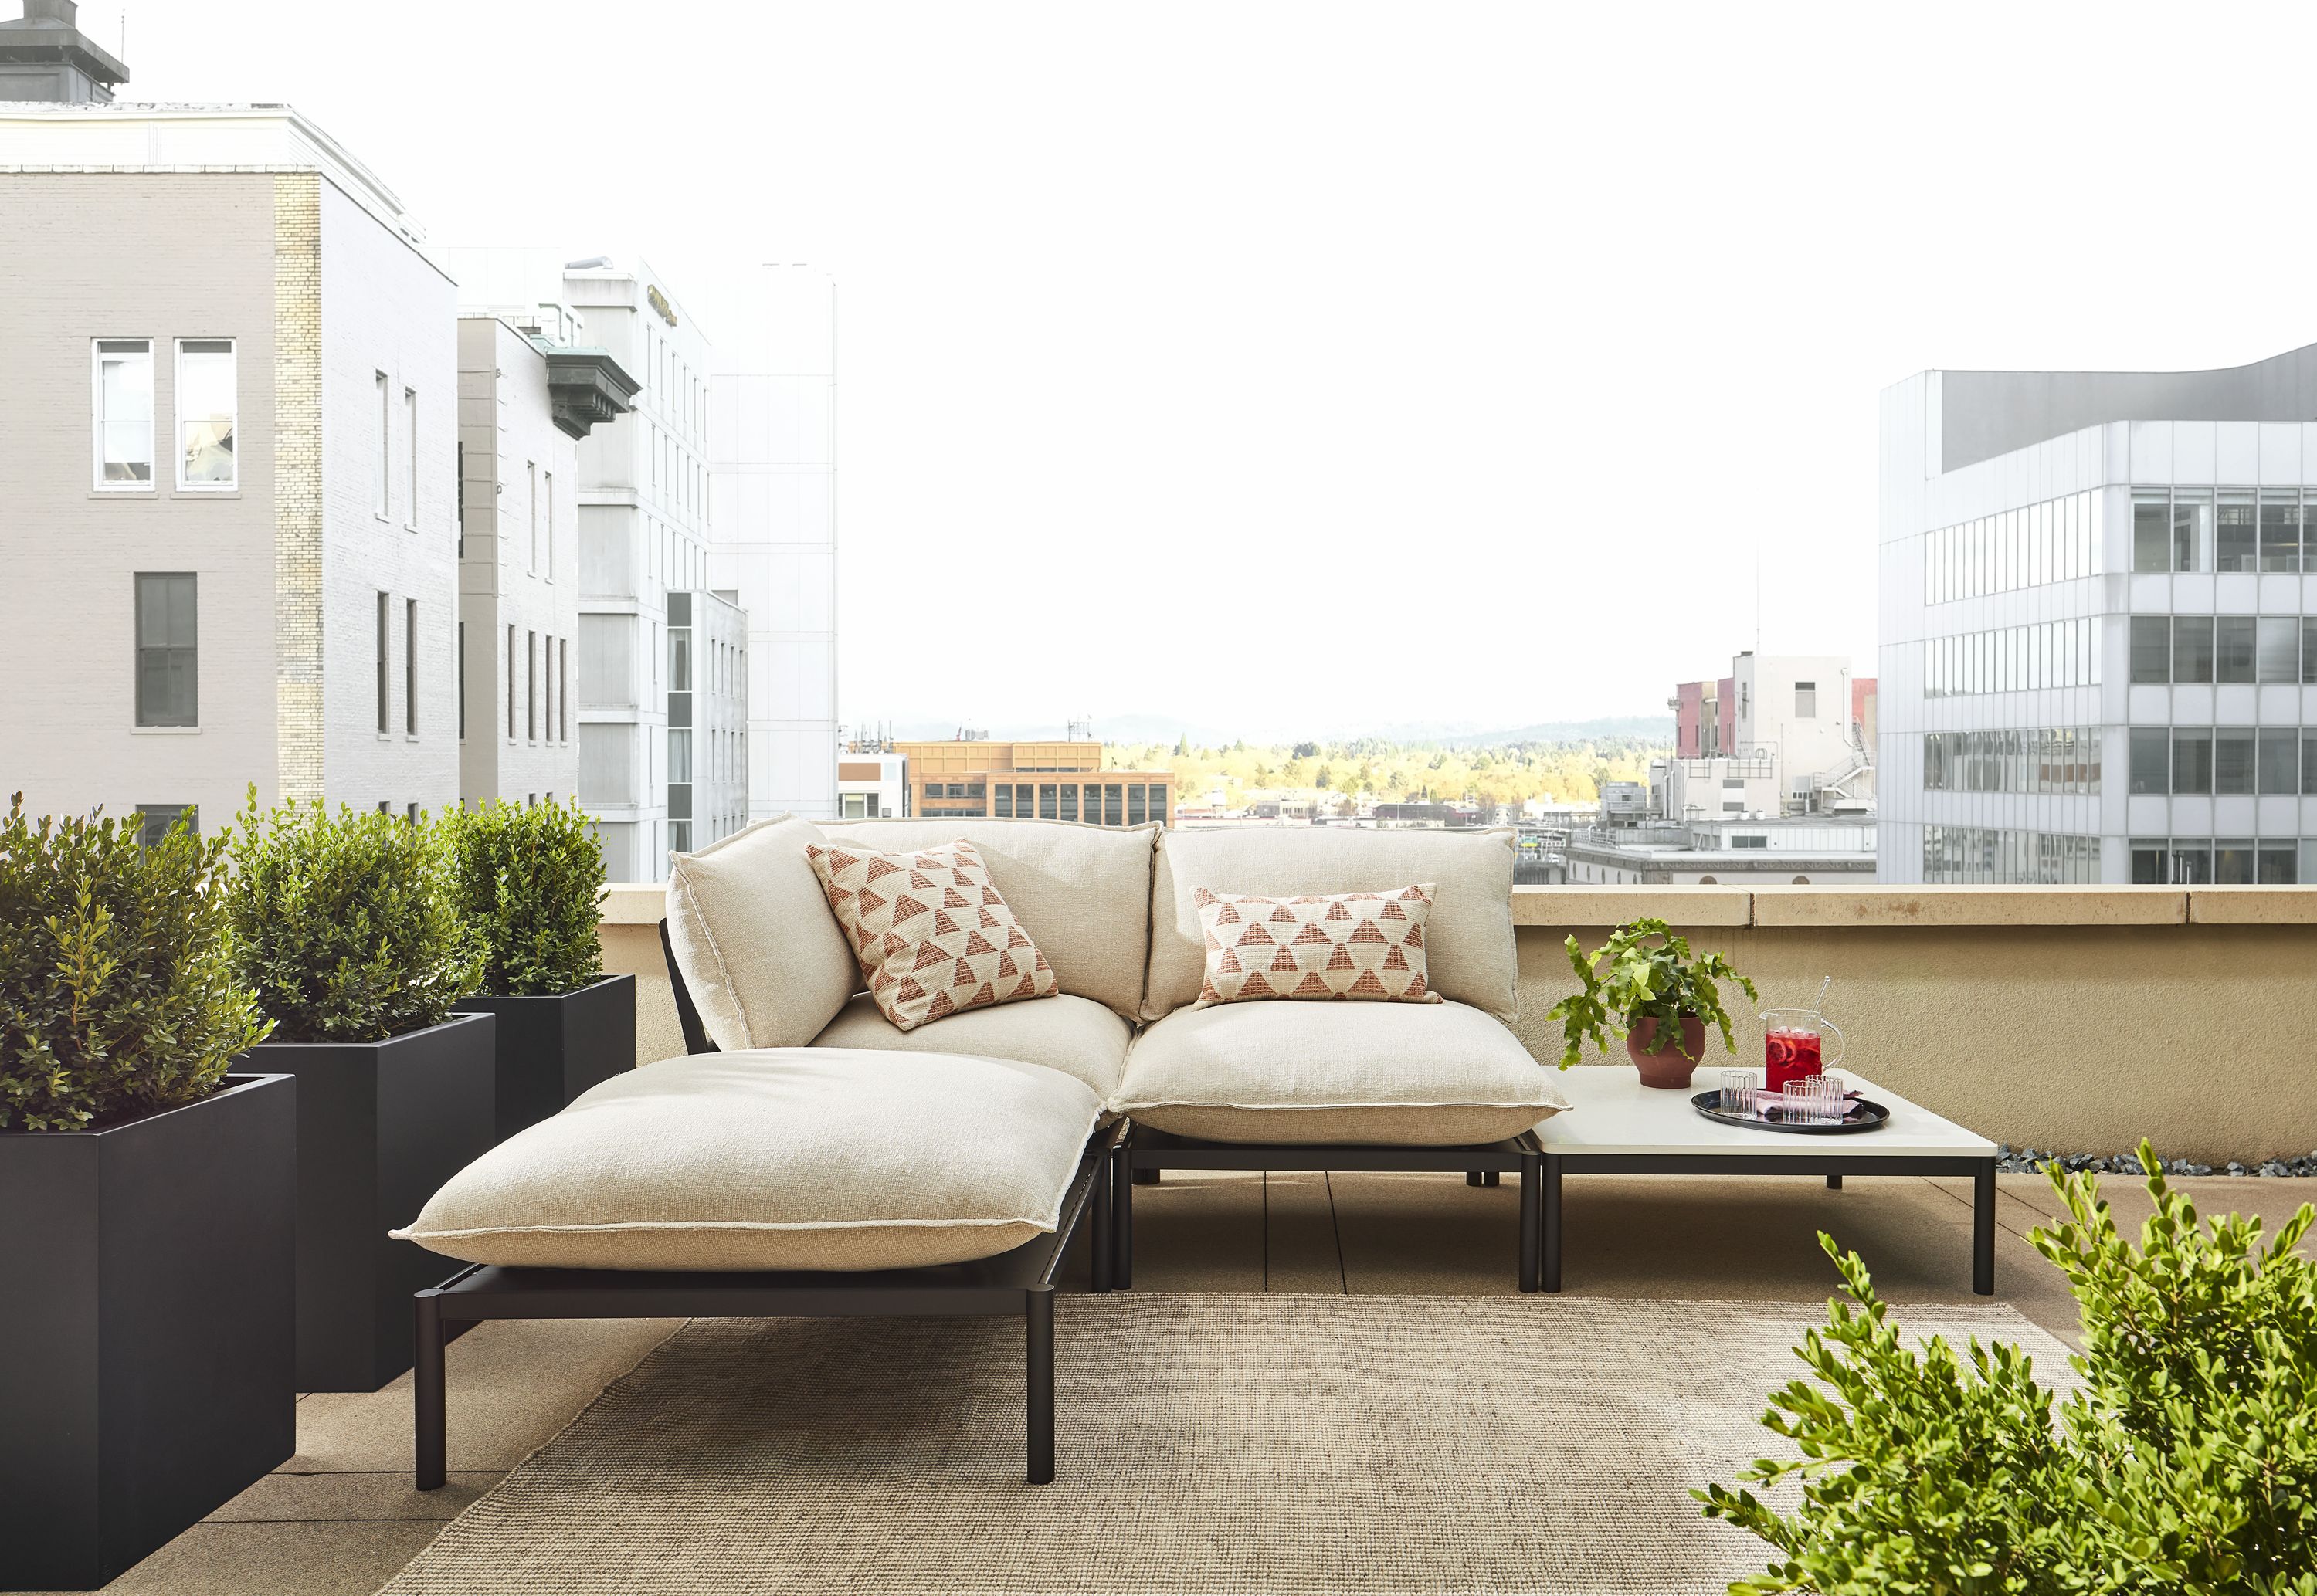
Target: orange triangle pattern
919, 961
1366, 946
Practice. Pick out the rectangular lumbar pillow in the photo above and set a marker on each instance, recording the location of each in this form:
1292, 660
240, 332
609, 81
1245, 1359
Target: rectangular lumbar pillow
776, 1158
1361, 946
1467, 938
933, 935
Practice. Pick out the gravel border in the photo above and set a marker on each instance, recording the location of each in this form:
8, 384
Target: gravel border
2029, 1161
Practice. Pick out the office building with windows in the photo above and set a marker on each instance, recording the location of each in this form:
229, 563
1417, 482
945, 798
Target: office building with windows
2098, 662
230, 525
707, 713
530, 387
772, 454
872, 781
642, 508
972, 778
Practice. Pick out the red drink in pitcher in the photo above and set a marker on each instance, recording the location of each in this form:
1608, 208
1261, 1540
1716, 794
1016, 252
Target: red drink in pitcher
1790, 1054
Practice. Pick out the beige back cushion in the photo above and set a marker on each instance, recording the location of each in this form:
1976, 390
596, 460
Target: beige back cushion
1468, 940
1082, 892
758, 950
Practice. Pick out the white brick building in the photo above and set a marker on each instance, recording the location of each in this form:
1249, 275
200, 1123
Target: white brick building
230, 524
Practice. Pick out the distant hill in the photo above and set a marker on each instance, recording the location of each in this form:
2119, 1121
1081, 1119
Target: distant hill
1159, 728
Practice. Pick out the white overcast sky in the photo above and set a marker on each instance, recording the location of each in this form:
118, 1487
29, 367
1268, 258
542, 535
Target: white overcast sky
1347, 366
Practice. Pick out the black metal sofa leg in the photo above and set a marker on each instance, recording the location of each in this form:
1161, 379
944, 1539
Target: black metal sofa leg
430, 1441
1122, 1202
1038, 1312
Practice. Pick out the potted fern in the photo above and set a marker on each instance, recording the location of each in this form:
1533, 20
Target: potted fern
527, 880
146, 1371
347, 932
1645, 981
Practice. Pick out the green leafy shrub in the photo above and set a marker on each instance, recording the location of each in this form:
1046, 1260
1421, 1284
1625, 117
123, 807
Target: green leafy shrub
2186, 1463
529, 880
345, 922
1651, 973
118, 995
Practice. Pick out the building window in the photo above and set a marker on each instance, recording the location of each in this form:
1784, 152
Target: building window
1135, 813
1005, 801
679, 753
155, 821
463, 682
2280, 532
205, 413
121, 413
563, 690
167, 668
1070, 801
2234, 648
1737, 841
410, 812
2237, 533
2152, 532
2192, 648
382, 456
2279, 648
460, 447
2192, 531
1048, 801
530, 488
410, 666
550, 525
2192, 761
531, 686
385, 661
510, 683
2151, 648
1114, 804
2151, 760
2232, 760
410, 457
1158, 804
853, 806
2280, 762
1805, 700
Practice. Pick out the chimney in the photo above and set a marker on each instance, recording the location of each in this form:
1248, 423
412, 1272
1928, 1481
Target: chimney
44, 56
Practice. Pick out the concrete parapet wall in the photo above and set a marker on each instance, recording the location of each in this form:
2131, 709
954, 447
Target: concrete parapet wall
2079, 1019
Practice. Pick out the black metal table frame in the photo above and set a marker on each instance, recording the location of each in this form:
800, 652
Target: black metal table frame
1149, 1151
1833, 1165
1020, 1281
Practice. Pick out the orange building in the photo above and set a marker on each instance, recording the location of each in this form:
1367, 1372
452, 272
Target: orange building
974, 778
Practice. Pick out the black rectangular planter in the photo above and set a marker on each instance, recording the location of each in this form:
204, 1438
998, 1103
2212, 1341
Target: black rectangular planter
146, 1328
553, 1048
380, 1127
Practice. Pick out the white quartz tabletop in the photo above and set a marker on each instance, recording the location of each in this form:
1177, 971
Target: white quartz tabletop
1611, 1111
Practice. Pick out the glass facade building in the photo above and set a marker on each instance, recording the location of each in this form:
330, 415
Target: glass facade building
2099, 631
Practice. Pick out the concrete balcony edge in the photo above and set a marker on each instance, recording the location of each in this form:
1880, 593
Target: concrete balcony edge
644, 903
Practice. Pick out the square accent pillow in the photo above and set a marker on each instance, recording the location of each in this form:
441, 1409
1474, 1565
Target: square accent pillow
1362, 946
931, 932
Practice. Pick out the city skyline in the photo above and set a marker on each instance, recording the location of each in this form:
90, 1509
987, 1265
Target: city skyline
1093, 349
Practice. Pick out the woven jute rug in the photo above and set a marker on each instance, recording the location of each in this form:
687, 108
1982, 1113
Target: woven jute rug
1206, 1444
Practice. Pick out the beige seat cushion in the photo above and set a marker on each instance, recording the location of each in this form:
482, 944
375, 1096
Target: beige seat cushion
1074, 1035
1082, 892
1468, 940
759, 951
1403, 1074
776, 1158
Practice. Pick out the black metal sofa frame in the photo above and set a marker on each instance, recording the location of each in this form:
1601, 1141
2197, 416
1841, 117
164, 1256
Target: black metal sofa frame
1021, 1281
1145, 1152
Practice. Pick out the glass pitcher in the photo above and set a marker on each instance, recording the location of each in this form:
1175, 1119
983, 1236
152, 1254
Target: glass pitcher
1794, 1045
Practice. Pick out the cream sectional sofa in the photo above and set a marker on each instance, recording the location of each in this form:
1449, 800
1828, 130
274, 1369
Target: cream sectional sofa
809, 1157
765, 963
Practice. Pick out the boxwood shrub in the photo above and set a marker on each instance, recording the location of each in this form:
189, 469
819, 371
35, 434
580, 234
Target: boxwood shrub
529, 880
346, 924
118, 990
2186, 1462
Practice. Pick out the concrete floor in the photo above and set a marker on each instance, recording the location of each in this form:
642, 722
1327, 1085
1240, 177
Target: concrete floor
342, 1516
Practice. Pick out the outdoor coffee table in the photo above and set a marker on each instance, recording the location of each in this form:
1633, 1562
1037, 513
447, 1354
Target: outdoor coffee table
1617, 1125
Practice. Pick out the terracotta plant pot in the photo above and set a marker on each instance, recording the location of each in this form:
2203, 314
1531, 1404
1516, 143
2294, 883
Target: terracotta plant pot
1670, 1067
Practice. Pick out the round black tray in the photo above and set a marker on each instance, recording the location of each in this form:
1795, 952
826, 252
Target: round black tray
1863, 1116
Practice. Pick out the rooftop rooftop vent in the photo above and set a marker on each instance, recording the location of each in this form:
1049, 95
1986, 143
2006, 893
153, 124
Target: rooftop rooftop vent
44, 56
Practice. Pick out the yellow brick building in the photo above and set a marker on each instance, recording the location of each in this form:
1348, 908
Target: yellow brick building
975, 778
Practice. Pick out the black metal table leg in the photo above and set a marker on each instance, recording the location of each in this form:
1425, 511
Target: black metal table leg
430, 1433
1982, 1229
1473, 1177
1550, 1202
1834, 1182
1037, 1313
1532, 1220
1121, 1195
1104, 1232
